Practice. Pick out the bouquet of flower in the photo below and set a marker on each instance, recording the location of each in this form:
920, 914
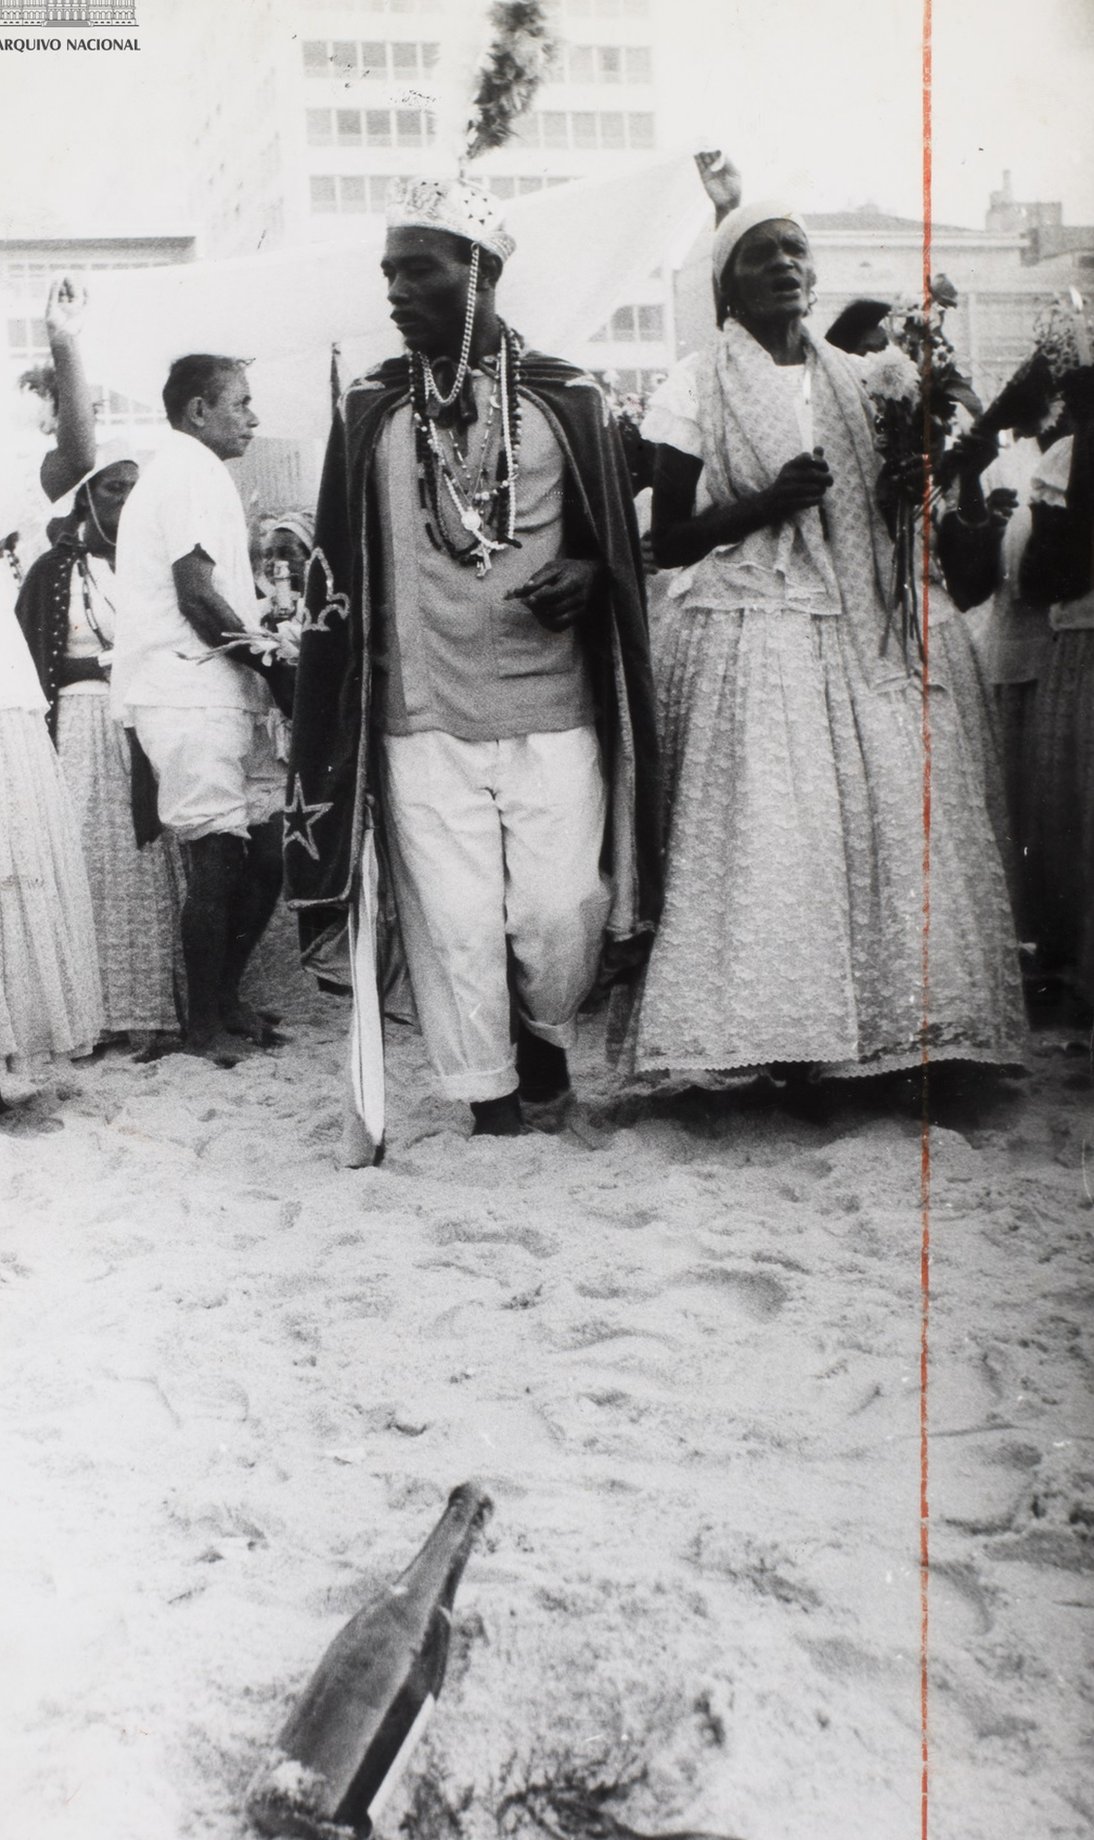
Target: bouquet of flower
916, 387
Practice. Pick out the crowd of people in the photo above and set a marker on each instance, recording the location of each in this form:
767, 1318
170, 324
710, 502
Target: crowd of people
440, 716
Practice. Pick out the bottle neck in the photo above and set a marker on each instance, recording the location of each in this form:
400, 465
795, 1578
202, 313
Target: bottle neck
435, 1571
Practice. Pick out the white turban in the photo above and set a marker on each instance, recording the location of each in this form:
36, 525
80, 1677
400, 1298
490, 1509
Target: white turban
456, 205
110, 451
741, 221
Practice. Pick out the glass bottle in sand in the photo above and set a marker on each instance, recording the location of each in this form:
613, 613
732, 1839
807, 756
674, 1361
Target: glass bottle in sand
351, 1732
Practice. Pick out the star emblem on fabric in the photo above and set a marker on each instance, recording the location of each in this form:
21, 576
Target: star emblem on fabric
300, 818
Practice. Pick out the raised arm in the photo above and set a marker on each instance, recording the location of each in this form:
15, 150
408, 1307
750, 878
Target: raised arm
721, 182
74, 454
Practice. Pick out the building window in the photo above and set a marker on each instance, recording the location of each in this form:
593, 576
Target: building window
580, 67
352, 193
409, 128
374, 58
349, 127
530, 183
610, 60
378, 127
322, 59
320, 128
635, 325
586, 130
503, 187
638, 64
404, 61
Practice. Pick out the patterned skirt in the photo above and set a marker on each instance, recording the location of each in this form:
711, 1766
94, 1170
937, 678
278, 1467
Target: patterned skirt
1062, 837
50, 995
804, 919
958, 662
135, 894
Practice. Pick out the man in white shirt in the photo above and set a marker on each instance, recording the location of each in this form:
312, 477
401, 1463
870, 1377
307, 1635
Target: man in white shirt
201, 713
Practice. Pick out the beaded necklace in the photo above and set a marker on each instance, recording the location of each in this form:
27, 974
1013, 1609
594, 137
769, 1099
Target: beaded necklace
87, 582
479, 507
10, 555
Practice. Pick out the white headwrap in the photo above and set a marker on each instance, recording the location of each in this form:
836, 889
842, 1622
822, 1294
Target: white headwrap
742, 220
110, 452
456, 205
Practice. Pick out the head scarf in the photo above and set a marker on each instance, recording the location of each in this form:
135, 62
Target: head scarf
107, 453
456, 205
298, 524
745, 218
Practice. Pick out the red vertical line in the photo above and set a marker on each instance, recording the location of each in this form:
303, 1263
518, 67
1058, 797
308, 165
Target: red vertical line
925, 1138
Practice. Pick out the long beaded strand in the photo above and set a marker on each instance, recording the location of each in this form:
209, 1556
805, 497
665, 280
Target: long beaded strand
433, 467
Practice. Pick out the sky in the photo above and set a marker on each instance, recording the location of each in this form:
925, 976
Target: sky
822, 98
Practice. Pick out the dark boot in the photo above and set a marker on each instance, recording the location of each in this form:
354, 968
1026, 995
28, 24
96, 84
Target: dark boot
497, 1117
542, 1071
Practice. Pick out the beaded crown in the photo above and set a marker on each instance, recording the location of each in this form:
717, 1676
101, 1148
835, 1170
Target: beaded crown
457, 205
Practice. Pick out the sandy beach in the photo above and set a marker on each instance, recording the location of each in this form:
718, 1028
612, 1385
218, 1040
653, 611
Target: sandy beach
679, 1340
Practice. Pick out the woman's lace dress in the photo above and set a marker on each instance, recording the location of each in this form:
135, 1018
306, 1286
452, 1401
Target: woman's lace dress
810, 914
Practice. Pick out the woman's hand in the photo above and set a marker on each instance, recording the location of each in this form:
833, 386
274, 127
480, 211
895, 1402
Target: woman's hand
721, 182
798, 486
1002, 504
65, 309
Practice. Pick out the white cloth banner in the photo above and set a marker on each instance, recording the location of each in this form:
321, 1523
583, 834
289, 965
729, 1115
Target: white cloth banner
582, 249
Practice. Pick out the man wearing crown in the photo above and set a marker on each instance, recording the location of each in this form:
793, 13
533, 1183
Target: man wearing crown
475, 675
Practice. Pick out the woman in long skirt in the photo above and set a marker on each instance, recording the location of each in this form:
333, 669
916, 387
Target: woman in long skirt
803, 922
66, 609
50, 994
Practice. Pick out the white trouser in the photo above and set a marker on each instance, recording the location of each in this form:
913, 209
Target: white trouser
490, 840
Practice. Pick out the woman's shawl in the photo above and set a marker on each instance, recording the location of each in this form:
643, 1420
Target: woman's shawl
827, 560
332, 794
42, 612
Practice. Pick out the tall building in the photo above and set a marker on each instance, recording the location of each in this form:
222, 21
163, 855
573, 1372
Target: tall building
313, 107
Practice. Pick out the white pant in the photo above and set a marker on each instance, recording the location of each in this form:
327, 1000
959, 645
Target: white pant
216, 770
489, 841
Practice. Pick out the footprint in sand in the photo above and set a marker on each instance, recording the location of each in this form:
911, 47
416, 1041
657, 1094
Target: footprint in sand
477, 1233
758, 1294
961, 1604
